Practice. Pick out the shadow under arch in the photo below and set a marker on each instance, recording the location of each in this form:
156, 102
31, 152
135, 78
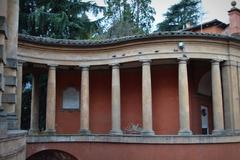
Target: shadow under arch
205, 86
52, 155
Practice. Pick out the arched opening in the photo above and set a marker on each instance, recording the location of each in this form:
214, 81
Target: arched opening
52, 155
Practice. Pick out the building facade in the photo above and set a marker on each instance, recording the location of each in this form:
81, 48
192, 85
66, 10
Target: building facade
164, 95
12, 139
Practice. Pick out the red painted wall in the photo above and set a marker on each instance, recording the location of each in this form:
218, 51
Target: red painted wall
131, 97
111, 151
67, 121
100, 101
165, 99
164, 93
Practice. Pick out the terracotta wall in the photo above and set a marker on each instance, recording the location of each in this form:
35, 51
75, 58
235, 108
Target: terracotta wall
100, 101
103, 151
165, 99
131, 97
67, 121
212, 30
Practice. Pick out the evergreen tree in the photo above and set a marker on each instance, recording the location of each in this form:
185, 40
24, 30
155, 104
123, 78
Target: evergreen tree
143, 14
127, 17
65, 19
179, 15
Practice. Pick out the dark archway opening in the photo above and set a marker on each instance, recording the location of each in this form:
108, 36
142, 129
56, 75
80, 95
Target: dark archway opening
52, 155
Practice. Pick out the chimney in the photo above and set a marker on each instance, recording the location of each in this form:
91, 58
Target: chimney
234, 19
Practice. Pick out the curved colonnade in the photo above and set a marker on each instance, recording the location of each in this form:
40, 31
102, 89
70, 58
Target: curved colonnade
221, 52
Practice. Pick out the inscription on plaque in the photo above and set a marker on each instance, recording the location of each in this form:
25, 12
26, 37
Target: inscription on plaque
70, 98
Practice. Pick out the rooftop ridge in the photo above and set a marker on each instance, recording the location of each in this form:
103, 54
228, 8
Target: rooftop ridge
86, 43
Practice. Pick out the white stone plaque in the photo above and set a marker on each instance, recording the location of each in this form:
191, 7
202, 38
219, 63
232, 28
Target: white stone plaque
70, 98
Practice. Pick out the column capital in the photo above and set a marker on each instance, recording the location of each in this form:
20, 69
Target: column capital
84, 67
216, 61
20, 62
115, 65
146, 61
230, 63
182, 60
52, 66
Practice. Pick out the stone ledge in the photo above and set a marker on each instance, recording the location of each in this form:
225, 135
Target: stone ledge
171, 139
13, 135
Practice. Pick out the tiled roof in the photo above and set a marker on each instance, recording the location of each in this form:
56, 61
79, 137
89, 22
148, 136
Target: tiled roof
123, 40
214, 22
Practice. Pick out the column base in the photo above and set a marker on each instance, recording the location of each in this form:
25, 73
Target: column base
116, 132
85, 132
237, 131
229, 132
185, 132
33, 131
148, 133
50, 131
217, 132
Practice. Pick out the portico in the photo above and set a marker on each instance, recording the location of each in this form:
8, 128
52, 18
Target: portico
117, 112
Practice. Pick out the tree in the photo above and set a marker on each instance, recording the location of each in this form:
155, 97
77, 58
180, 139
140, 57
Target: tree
143, 14
127, 17
179, 15
65, 19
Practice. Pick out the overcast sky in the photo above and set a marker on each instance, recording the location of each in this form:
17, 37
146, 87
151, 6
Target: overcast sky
213, 9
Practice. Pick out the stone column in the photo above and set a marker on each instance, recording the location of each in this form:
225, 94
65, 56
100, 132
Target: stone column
183, 98
231, 97
19, 93
10, 70
34, 125
12, 24
147, 98
3, 33
218, 123
51, 100
84, 112
116, 100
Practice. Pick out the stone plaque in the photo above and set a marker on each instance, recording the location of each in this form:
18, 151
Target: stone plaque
70, 98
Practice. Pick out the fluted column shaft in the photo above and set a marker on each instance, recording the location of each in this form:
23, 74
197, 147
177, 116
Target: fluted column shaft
84, 117
116, 100
217, 99
183, 98
34, 123
147, 98
51, 100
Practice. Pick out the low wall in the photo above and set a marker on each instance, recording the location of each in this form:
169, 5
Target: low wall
102, 147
